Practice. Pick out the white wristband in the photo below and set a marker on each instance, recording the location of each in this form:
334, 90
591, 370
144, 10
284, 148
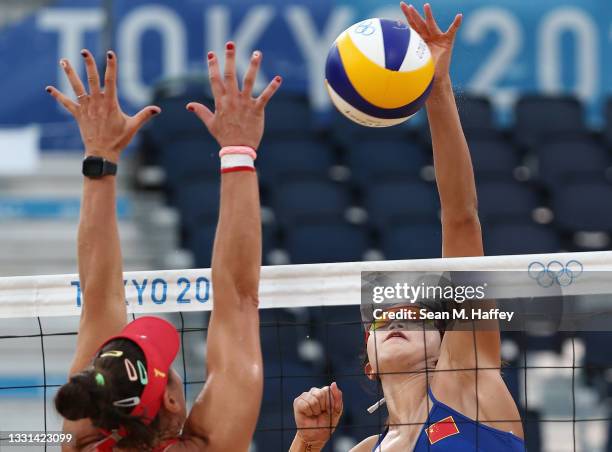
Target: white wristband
237, 162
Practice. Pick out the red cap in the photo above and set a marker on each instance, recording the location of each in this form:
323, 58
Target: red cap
159, 342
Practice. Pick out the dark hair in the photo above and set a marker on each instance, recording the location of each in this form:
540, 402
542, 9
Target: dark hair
85, 397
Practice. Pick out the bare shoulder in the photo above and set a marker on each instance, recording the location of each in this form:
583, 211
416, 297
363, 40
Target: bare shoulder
366, 445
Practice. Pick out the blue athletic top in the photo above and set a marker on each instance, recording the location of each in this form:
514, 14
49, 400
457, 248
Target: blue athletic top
450, 430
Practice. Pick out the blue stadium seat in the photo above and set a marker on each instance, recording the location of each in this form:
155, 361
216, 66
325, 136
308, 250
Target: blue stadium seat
412, 241
201, 237
339, 329
197, 202
299, 201
190, 158
493, 158
503, 239
565, 161
476, 112
200, 242
285, 159
331, 242
374, 160
540, 117
608, 125
288, 114
396, 201
583, 207
506, 201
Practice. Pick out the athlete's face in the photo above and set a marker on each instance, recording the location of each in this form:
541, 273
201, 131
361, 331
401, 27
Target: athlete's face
402, 346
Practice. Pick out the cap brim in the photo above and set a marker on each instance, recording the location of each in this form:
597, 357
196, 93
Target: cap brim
155, 336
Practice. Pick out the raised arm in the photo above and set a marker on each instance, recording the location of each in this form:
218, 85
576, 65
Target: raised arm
461, 233
105, 131
225, 413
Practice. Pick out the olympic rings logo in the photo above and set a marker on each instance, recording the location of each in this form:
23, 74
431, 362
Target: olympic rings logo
365, 29
555, 273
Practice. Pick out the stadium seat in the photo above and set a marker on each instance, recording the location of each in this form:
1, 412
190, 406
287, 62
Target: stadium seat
412, 241
190, 158
395, 201
506, 201
340, 331
286, 159
476, 112
560, 162
201, 237
493, 158
583, 207
288, 114
323, 243
299, 201
607, 133
197, 202
503, 239
545, 117
375, 160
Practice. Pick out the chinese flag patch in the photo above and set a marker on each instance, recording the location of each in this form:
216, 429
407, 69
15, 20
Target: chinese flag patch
442, 429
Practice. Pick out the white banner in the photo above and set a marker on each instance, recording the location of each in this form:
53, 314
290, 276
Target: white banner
288, 286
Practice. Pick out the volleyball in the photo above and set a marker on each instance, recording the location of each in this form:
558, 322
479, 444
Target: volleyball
379, 72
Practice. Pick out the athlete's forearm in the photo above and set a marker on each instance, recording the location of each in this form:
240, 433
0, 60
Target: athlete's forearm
453, 166
99, 251
236, 258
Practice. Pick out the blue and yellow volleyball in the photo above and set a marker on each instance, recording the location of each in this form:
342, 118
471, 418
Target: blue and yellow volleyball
379, 72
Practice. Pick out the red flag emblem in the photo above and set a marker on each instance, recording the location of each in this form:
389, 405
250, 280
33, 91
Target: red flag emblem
442, 429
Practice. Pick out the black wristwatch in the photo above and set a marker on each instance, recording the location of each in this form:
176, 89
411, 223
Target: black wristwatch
96, 167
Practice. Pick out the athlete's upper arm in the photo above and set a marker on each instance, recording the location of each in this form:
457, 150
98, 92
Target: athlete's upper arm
99, 322
225, 413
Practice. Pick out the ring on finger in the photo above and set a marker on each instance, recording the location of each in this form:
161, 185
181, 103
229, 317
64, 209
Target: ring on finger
82, 96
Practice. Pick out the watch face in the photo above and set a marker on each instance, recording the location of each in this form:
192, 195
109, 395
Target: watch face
93, 167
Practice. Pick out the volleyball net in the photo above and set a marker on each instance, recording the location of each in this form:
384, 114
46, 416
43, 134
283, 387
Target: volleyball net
557, 363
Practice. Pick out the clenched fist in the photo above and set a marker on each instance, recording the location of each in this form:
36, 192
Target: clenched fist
317, 413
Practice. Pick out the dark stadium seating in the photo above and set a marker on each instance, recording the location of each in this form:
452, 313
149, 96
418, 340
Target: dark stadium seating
327, 242
493, 158
190, 158
288, 159
545, 117
197, 201
583, 207
501, 239
377, 160
608, 122
299, 201
397, 201
506, 201
412, 241
288, 115
565, 161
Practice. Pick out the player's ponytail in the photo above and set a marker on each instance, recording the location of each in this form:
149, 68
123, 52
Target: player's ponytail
94, 394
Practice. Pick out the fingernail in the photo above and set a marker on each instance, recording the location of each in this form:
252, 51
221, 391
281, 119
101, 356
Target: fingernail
278, 78
230, 46
255, 54
63, 63
47, 89
109, 55
190, 108
210, 55
84, 53
154, 112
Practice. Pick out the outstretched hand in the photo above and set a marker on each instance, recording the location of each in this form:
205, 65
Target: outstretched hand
440, 43
238, 119
105, 129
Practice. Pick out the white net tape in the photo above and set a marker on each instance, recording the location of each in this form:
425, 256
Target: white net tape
281, 286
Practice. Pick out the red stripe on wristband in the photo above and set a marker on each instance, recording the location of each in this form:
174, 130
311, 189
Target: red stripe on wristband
235, 169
